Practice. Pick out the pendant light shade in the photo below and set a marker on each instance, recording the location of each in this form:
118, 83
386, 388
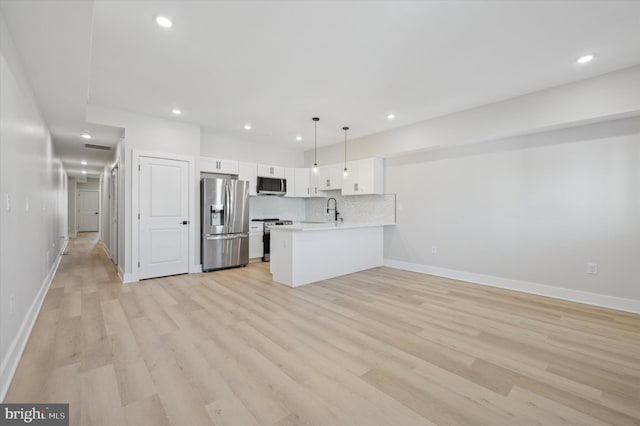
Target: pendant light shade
315, 145
345, 171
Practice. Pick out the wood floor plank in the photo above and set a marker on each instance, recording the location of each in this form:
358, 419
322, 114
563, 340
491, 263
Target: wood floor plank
101, 403
146, 412
377, 347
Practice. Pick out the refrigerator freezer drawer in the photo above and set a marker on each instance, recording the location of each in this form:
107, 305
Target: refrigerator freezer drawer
224, 251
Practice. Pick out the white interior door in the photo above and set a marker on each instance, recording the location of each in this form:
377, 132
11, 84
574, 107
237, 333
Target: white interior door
164, 214
88, 210
113, 215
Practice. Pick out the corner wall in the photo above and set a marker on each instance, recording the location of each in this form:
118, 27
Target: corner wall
32, 189
525, 212
534, 210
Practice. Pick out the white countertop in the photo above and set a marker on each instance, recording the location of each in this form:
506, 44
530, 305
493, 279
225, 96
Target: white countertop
328, 226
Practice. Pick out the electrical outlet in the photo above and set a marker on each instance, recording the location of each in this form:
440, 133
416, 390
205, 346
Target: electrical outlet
592, 268
434, 249
11, 304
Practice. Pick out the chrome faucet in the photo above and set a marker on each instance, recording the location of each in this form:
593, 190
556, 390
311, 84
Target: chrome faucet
335, 208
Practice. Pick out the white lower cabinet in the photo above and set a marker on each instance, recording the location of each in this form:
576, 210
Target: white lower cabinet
256, 244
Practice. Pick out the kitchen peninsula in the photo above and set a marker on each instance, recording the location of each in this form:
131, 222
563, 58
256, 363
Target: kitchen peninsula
309, 252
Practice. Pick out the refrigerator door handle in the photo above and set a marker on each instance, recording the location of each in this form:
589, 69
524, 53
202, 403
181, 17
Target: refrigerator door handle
225, 237
228, 205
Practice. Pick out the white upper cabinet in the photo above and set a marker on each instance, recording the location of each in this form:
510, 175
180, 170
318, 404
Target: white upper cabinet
330, 177
314, 187
290, 176
306, 184
364, 177
301, 183
271, 171
249, 172
217, 165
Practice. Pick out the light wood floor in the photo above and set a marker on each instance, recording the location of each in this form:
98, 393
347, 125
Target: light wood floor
382, 347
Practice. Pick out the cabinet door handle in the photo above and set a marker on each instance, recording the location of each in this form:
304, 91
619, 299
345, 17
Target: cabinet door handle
307, 190
271, 170
316, 188
355, 186
328, 183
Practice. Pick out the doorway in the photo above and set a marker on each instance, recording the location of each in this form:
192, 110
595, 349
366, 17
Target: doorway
88, 210
113, 215
163, 217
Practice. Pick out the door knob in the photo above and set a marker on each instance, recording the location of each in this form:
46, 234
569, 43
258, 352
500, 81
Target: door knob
184, 222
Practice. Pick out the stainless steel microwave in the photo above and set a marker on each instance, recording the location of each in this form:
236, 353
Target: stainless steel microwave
272, 186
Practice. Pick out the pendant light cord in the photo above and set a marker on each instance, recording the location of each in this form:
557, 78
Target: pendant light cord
345, 147
345, 128
315, 144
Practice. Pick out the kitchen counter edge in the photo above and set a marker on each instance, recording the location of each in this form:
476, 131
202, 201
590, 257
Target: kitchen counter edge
331, 226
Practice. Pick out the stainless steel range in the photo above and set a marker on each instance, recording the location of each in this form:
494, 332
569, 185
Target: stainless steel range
266, 239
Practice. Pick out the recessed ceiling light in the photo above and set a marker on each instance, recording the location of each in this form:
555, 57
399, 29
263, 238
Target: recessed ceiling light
164, 22
247, 126
86, 135
585, 59
391, 116
84, 172
84, 163
298, 138
176, 111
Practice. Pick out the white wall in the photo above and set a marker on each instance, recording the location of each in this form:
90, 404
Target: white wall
227, 148
91, 183
144, 133
32, 234
526, 212
534, 209
105, 208
603, 98
104, 211
72, 196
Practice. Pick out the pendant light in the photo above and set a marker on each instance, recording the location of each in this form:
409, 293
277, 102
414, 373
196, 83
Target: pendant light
345, 172
315, 145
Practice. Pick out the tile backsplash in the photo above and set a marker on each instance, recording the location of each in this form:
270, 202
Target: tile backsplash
263, 206
358, 208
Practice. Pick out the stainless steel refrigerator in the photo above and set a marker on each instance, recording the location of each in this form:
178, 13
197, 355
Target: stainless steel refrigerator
225, 223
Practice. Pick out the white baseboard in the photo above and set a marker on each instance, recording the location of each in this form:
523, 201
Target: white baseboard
613, 302
11, 359
195, 269
128, 278
106, 250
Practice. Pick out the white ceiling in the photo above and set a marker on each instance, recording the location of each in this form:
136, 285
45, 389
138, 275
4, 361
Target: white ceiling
276, 64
